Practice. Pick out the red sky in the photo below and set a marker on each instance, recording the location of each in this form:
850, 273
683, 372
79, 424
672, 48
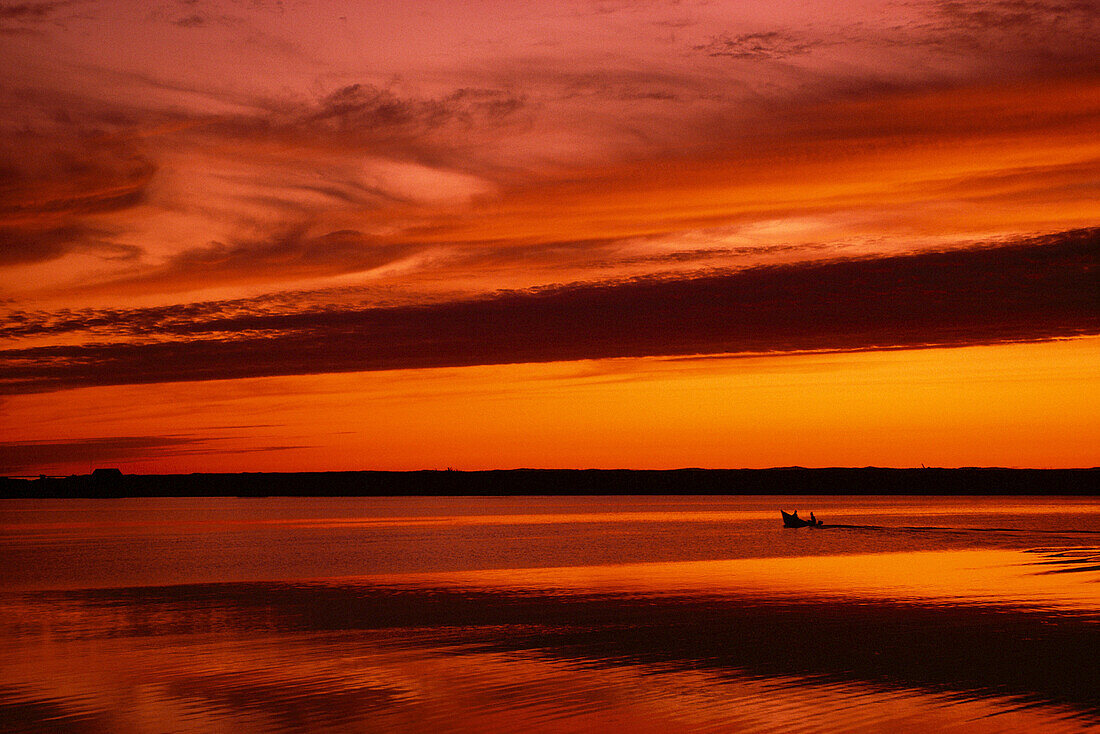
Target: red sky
249, 235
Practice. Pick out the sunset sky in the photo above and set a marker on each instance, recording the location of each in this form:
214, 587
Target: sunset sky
247, 235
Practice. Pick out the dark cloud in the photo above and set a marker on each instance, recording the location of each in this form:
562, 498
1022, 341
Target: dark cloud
1020, 17
29, 245
711, 253
250, 259
20, 455
16, 455
1000, 39
1015, 37
49, 188
377, 120
31, 18
28, 11
70, 177
24, 245
760, 45
290, 252
190, 21
1038, 289
866, 113
359, 104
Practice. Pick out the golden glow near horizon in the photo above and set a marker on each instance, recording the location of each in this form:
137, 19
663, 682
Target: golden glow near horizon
234, 237
936, 407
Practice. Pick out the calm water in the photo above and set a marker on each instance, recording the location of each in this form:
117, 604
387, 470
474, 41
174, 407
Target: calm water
648, 614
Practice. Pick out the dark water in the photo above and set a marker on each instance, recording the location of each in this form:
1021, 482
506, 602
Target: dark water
549, 614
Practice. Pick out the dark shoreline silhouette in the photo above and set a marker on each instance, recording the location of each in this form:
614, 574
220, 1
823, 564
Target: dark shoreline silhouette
800, 481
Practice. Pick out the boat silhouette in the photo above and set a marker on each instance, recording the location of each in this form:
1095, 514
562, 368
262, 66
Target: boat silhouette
792, 520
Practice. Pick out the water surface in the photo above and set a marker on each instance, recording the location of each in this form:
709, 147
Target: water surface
549, 614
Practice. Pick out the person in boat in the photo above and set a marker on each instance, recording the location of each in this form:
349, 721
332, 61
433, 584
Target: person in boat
794, 521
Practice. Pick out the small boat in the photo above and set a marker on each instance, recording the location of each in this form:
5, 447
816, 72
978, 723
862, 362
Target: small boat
792, 520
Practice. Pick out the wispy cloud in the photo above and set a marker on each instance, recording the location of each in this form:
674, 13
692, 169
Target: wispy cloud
291, 252
159, 181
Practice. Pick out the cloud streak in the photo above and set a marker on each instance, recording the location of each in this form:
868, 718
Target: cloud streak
16, 456
1038, 289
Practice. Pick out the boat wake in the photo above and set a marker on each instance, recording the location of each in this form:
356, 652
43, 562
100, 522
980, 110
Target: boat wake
932, 528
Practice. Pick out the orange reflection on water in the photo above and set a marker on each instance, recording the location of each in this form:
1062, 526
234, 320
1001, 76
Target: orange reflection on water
955, 576
215, 665
296, 683
207, 686
122, 520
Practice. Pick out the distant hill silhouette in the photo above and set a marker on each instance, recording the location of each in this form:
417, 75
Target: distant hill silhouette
794, 480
